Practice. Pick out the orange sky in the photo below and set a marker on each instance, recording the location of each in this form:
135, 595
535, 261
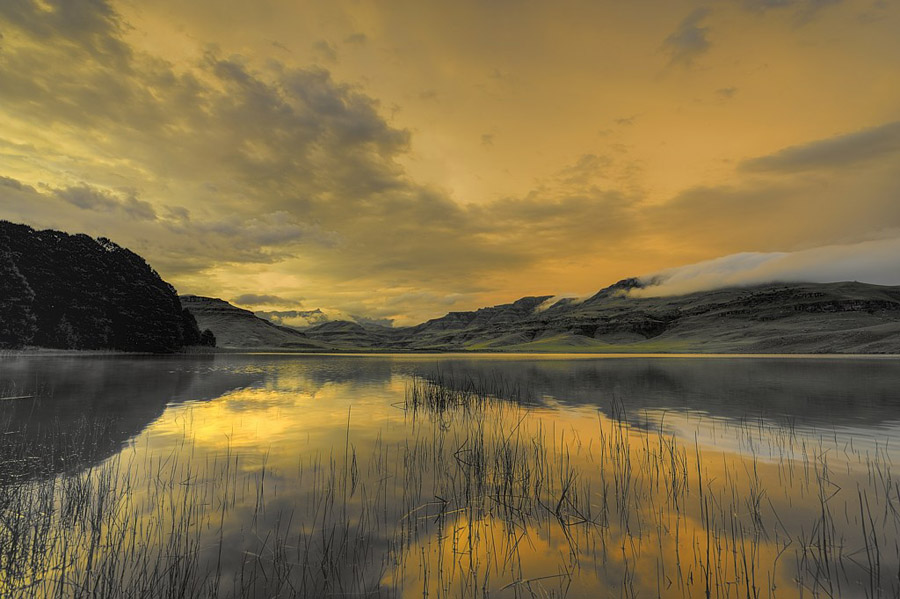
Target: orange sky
396, 160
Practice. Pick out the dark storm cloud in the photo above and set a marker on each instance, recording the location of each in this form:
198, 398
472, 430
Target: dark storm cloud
690, 39
869, 145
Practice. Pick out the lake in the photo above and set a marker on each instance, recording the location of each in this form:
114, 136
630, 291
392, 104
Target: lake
271, 475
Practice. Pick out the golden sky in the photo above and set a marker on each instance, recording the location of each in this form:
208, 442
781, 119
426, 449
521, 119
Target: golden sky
400, 159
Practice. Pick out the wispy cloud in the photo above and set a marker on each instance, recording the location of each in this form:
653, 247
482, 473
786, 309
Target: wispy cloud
801, 11
839, 151
690, 39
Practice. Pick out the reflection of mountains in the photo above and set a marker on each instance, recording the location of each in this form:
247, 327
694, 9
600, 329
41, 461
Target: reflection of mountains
84, 409
815, 391
310, 373
78, 411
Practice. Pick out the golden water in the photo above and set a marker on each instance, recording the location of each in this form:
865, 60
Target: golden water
317, 476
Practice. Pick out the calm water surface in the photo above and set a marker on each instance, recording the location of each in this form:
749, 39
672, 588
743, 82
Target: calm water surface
298, 475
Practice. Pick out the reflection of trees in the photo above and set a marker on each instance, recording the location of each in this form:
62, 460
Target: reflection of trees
77, 411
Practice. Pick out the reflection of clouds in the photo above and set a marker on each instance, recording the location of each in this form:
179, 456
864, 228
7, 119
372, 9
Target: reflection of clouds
255, 400
351, 493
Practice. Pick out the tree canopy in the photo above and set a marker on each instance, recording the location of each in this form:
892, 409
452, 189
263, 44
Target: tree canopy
75, 292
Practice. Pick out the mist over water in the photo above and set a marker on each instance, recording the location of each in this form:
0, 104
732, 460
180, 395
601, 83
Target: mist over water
278, 475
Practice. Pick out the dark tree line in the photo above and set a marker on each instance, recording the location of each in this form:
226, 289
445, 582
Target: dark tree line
75, 292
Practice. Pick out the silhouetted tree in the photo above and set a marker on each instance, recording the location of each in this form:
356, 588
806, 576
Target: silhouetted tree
207, 338
17, 321
191, 331
72, 291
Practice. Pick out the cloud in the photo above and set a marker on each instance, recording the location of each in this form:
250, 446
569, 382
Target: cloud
380, 322
275, 165
172, 242
89, 198
869, 261
588, 169
301, 319
14, 184
358, 39
294, 318
825, 199
326, 51
90, 26
690, 39
253, 299
802, 11
841, 151
260, 170
726, 93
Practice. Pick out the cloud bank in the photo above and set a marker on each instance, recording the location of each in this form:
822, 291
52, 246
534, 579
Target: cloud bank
876, 261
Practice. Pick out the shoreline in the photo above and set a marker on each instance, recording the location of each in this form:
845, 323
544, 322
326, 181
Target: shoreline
43, 352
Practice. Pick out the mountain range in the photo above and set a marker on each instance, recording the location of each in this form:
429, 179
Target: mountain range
847, 317
76, 292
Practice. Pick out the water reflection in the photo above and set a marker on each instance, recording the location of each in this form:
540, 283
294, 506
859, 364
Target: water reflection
315, 476
72, 412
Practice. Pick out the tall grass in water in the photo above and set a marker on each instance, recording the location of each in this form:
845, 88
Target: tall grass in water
476, 496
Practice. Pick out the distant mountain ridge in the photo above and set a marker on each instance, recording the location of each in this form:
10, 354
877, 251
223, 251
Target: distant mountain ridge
75, 292
238, 328
845, 317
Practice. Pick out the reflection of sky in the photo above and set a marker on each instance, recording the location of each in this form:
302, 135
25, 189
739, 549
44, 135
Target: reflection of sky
299, 416
287, 438
772, 440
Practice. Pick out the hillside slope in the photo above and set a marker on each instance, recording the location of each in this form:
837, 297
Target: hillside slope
237, 328
775, 318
